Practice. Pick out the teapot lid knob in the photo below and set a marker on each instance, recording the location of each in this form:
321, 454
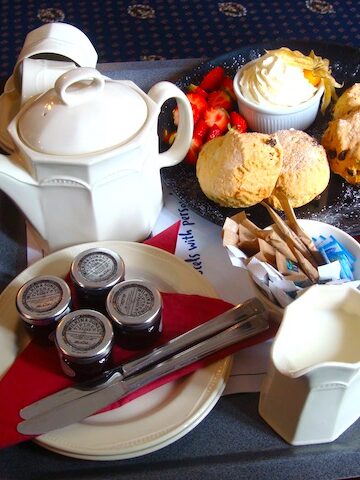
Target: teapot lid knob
72, 92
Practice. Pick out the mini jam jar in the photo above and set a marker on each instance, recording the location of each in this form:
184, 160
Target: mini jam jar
41, 303
135, 308
84, 339
93, 273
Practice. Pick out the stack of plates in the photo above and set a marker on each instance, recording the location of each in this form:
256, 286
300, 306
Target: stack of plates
151, 421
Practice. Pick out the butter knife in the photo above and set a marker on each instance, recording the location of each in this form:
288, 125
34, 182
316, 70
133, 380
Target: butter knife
221, 322
76, 410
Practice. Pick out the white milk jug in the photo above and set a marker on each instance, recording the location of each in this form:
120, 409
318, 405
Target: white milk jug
311, 393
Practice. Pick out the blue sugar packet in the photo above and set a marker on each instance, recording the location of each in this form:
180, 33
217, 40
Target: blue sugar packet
347, 253
346, 267
324, 242
318, 243
332, 250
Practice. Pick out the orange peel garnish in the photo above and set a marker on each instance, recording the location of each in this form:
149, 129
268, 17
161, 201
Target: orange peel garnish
318, 68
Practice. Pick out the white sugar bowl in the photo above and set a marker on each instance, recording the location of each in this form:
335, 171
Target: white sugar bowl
86, 165
315, 229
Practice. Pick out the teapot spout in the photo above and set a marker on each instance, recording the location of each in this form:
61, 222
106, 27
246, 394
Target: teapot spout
19, 185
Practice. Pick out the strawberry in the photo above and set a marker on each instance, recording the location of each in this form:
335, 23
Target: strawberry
198, 101
214, 132
193, 152
200, 129
220, 98
192, 88
217, 116
212, 80
238, 122
195, 112
227, 85
198, 105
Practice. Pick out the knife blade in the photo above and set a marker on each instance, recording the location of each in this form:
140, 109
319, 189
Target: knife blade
76, 410
236, 314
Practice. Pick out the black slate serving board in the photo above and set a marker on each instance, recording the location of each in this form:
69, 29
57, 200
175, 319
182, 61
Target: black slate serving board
337, 205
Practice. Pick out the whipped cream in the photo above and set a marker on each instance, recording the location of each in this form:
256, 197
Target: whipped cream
270, 81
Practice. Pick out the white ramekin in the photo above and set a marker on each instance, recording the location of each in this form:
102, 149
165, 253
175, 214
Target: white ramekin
270, 119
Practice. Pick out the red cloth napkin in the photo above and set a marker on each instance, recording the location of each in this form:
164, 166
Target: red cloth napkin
36, 372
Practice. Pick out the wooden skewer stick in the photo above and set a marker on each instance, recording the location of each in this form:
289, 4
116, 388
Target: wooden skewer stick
290, 235
293, 222
276, 241
307, 267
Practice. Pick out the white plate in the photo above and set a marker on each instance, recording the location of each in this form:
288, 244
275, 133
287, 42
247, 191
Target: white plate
152, 421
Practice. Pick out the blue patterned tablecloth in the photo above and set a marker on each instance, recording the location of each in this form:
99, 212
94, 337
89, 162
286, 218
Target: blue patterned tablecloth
163, 29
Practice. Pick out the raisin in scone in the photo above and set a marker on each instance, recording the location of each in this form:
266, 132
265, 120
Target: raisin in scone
305, 172
342, 143
239, 169
347, 102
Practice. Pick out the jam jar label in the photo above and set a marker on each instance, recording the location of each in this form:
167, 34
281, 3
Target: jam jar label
42, 296
97, 266
134, 300
84, 333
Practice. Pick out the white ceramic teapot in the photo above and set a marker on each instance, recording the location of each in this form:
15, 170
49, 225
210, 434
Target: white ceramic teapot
87, 165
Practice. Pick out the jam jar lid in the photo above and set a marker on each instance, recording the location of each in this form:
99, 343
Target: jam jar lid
43, 299
134, 304
97, 269
84, 335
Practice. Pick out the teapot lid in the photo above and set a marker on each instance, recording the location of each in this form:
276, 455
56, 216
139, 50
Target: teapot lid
84, 113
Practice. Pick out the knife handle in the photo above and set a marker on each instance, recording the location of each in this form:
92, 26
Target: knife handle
234, 334
236, 314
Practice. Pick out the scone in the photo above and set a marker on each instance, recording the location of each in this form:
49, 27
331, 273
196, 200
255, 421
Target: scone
305, 171
342, 143
239, 169
349, 101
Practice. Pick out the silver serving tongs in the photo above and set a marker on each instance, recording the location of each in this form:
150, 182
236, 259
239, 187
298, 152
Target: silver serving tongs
75, 403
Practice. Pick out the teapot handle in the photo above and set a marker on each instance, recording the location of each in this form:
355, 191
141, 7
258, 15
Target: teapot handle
161, 92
